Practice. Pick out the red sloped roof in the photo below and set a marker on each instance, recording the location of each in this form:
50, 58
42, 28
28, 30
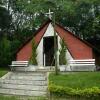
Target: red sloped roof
78, 48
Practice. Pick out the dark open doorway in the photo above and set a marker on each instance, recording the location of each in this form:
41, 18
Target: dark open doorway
48, 48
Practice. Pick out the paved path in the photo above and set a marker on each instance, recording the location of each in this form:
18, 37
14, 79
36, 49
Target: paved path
24, 83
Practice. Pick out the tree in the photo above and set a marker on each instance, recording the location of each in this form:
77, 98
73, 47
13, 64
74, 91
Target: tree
96, 26
5, 19
76, 15
62, 51
33, 59
5, 52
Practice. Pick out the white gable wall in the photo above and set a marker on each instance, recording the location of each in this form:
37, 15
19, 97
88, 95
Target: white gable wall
49, 32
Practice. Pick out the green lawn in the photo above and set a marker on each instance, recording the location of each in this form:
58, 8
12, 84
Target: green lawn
76, 79
8, 97
75, 86
3, 71
2, 97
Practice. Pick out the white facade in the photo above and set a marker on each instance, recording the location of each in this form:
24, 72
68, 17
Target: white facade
40, 56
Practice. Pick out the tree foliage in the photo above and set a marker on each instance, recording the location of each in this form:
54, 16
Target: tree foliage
5, 19
5, 52
77, 15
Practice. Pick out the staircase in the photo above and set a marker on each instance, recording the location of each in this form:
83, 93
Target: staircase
24, 83
45, 69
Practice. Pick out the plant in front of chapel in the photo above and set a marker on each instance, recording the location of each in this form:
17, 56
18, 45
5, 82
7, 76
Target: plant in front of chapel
33, 59
62, 51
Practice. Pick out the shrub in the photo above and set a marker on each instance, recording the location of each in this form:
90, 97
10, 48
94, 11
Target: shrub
62, 56
33, 59
67, 91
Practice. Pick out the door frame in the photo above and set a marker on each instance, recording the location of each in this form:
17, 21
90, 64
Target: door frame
44, 60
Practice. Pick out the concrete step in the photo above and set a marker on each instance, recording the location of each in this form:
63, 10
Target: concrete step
24, 87
45, 69
39, 78
28, 69
28, 73
22, 92
24, 82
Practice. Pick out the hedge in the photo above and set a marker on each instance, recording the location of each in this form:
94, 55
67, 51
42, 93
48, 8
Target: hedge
67, 91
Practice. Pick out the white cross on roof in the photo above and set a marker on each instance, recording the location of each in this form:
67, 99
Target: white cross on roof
49, 14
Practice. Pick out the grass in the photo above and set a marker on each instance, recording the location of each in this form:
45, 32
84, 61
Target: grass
3, 71
79, 80
7, 97
74, 80
72, 98
4, 97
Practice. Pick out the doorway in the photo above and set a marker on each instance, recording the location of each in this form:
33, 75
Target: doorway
48, 51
